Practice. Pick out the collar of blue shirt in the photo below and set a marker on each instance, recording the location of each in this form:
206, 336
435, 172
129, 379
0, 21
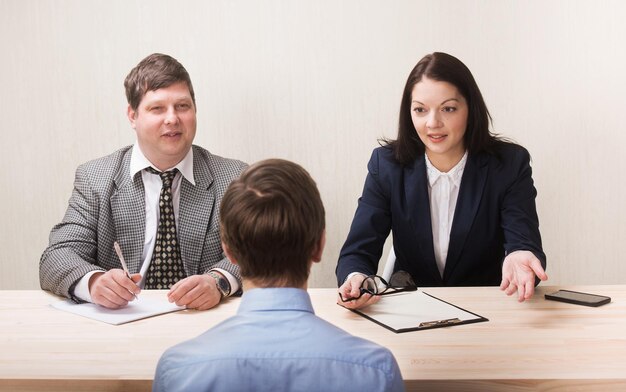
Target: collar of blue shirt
275, 298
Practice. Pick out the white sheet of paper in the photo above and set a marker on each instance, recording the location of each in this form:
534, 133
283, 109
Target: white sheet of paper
135, 310
408, 309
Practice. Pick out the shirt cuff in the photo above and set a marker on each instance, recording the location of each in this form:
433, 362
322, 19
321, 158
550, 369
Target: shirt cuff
81, 290
234, 284
352, 274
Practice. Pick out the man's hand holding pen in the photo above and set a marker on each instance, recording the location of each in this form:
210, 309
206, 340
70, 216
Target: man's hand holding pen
113, 289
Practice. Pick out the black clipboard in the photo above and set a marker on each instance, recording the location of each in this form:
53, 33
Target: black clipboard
417, 311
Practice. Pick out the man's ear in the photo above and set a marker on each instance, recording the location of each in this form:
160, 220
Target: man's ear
131, 113
228, 254
317, 254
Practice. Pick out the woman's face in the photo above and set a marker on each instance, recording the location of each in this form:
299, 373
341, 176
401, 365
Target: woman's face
439, 114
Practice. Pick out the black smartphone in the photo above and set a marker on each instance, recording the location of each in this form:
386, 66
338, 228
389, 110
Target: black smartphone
578, 298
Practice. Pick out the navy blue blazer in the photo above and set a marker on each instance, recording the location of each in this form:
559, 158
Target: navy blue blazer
495, 215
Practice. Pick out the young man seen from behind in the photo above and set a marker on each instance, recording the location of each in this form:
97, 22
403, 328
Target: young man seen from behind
273, 228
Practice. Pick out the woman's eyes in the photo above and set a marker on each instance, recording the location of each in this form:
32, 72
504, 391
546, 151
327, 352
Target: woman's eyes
445, 109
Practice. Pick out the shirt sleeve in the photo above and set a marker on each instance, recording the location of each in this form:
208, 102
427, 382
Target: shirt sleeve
81, 290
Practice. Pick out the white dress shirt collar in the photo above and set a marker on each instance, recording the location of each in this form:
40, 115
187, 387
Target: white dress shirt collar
455, 174
138, 162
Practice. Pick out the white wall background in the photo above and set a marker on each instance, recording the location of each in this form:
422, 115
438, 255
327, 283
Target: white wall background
318, 82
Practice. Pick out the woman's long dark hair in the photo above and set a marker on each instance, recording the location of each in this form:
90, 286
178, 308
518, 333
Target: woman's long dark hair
444, 68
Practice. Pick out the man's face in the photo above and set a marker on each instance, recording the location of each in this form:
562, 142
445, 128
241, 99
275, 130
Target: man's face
165, 122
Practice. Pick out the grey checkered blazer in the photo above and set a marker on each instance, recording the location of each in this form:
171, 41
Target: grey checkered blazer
107, 205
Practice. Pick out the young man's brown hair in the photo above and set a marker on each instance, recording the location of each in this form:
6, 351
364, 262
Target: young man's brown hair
272, 223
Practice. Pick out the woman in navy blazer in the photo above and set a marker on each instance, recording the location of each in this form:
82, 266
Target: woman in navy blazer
491, 233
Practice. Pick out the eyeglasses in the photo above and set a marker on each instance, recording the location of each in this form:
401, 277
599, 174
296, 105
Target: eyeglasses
377, 285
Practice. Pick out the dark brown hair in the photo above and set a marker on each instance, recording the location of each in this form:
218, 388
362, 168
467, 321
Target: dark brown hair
152, 73
444, 68
272, 221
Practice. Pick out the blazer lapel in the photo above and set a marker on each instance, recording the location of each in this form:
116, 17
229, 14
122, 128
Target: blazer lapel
196, 208
129, 214
470, 194
418, 207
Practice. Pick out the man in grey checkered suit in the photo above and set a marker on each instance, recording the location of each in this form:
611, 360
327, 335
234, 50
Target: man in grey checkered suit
116, 199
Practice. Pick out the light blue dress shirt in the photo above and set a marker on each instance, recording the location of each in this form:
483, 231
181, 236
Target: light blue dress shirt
276, 343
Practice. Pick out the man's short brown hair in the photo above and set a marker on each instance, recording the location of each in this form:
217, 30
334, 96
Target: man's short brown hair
272, 221
152, 73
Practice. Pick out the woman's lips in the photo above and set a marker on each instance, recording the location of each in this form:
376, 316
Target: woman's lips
437, 138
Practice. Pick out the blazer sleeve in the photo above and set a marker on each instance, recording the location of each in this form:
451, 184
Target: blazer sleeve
520, 222
72, 249
223, 171
370, 226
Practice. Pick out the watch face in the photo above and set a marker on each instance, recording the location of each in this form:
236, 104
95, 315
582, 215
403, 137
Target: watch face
223, 285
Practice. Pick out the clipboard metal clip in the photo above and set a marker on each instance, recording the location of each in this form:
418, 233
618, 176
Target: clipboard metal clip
439, 323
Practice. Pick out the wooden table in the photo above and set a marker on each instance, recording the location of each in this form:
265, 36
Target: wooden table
535, 345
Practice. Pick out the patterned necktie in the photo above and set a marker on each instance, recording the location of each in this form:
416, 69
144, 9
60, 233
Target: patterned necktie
166, 267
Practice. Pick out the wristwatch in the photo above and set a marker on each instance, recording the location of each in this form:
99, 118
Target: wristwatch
222, 283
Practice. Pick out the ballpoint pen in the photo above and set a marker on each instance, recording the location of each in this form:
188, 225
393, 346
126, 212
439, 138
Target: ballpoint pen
118, 250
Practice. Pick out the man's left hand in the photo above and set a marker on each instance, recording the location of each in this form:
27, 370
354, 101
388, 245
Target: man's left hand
195, 292
518, 274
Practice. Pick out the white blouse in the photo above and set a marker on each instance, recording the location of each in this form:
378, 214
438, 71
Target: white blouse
443, 192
